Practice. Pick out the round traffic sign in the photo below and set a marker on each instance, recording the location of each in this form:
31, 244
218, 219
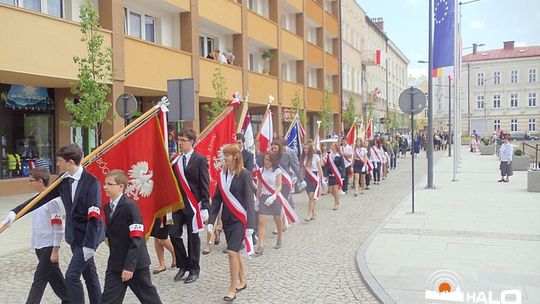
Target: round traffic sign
126, 105
412, 101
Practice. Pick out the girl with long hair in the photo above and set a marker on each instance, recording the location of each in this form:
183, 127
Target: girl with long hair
311, 165
360, 166
235, 194
335, 170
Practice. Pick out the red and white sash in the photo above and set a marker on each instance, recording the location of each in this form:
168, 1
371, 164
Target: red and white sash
287, 208
286, 178
197, 222
366, 163
315, 179
236, 208
374, 150
334, 168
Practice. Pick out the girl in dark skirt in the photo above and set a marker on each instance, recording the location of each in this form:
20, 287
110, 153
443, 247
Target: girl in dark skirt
360, 159
268, 203
311, 165
160, 232
335, 178
237, 182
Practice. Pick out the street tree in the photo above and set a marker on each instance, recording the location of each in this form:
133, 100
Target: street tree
326, 114
349, 114
298, 107
219, 102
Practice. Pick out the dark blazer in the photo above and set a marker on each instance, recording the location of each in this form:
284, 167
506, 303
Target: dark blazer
247, 157
198, 178
126, 253
240, 188
79, 230
340, 164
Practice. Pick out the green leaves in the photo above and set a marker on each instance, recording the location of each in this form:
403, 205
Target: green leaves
326, 114
89, 109
219, 103
349, 115
296, 102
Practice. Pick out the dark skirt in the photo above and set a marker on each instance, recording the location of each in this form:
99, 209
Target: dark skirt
234, 234
310, 185
274, 209
358, 166
332, 181
506, 169
160, 233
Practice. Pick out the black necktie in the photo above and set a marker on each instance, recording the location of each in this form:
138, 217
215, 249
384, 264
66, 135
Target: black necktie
70, 180
184, 161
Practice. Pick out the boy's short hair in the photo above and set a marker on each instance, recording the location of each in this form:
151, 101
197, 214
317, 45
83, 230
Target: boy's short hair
71, 152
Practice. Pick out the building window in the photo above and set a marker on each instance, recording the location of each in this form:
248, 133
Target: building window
149, 29
513, 125
480, 79
134, 25
139, 25
251, 62
49, 7
513, 100
514, 76
496, 77
497, 124
532, 124
532, 99
34, 5
532, 75
496, 101
206, 46
480, 102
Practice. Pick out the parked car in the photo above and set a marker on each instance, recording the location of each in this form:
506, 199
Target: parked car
523, 136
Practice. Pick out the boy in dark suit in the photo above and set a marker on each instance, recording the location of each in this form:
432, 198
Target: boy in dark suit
129, 262
195, 168
81, 194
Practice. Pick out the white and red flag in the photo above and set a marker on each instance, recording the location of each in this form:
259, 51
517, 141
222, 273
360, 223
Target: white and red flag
369, 132
247, 130
351, 136
266, 133
147, 168
210, 142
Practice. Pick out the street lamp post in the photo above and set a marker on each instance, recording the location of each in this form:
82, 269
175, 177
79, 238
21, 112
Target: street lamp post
430, 101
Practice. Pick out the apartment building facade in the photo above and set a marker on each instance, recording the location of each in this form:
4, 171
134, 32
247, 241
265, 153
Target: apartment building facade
283, 48
500, 90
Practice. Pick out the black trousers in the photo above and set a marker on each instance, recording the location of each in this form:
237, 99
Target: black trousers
377, 171
188, 260
77, 267
47, 272
141, 285
346, 179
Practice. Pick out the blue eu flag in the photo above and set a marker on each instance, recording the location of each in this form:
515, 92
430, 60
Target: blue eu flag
443, 40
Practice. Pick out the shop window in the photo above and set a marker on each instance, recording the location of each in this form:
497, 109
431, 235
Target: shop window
27, 129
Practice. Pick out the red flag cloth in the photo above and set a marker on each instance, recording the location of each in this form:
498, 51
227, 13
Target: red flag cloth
369, 134
267, 132
351, 136
210, 145
143, 157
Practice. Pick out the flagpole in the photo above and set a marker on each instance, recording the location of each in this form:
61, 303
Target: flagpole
270, 100
145, 116
213, 123
243, 114
291, 126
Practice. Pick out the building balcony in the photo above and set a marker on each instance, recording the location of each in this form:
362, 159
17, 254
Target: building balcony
224, 13
290, 89
183, 4
331, 64
314, 11
292, 44
331, 24
315, 55
314, 99
148, 66
231, 74
38, 49
297, 4
260, 86
262, 29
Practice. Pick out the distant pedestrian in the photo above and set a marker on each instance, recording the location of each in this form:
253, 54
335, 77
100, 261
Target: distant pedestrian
505, 154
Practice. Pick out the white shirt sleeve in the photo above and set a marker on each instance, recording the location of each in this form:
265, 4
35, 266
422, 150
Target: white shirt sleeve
57, 212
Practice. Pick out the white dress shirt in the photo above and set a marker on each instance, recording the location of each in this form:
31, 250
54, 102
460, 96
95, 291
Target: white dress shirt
269, 177
347, 149
76, 177
44, 233
506, 152
314, 163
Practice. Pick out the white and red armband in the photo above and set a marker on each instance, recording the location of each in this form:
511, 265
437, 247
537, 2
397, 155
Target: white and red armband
56, 219
136, 230
94, 212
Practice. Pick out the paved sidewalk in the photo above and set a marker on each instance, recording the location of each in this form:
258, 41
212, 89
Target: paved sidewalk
486, 233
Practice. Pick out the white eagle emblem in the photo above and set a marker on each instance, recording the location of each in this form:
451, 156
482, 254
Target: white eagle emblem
140, 181
219, 160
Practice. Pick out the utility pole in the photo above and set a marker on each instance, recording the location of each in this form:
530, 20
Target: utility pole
430, 101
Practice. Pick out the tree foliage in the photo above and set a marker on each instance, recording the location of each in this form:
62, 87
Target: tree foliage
219, 103
298, 107
326, 114
349, 115
89, 109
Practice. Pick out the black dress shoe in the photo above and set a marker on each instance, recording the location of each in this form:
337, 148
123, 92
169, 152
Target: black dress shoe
179, 275
192, 277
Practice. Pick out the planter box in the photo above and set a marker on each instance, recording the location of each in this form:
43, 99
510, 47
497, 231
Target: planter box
465, 142
521, 163
487, 150
533, 180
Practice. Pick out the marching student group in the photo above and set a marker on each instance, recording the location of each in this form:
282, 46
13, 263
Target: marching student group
251, 188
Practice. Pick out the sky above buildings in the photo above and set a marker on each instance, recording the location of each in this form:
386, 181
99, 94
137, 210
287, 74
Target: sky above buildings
486, 21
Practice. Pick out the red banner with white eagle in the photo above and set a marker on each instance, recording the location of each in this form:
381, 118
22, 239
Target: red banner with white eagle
210, 142
142, 155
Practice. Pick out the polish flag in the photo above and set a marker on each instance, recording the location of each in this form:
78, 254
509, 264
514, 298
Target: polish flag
369, 133
266, 133
351, 136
